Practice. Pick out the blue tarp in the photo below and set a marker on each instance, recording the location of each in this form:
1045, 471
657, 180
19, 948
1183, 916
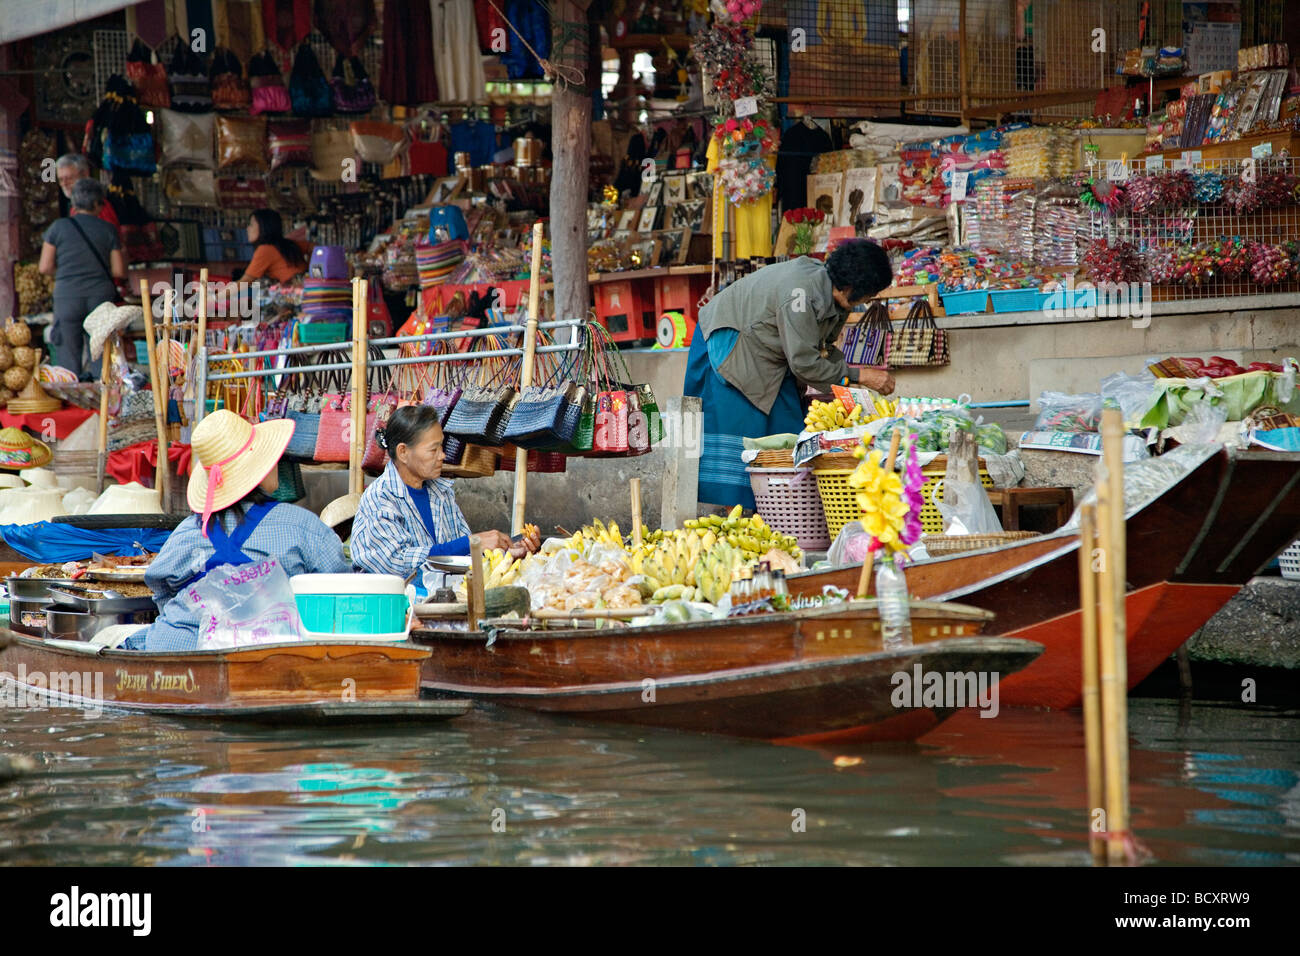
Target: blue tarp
51, 543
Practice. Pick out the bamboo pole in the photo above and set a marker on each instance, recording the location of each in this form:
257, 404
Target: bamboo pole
102, 466
474, 598
635, 487
201, 365
161, 481
360, 288
526, 371
1091, 703
864, 579
1112, 437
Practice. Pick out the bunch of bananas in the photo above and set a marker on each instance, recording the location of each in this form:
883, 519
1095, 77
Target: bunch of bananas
598, 532
885, 408
829, 416
500, 570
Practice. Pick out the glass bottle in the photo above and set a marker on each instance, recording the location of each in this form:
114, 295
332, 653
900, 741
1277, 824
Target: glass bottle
891, 595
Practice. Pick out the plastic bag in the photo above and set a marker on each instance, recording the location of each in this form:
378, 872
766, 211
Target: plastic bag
965, 507
992, 438
243, 605
1132, 394
850, 546
1059, 412
1202, 424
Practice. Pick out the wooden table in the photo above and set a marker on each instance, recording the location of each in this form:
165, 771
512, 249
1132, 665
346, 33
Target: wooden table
1011, 500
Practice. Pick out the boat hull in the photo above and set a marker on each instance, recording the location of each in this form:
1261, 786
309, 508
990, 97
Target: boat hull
336, 683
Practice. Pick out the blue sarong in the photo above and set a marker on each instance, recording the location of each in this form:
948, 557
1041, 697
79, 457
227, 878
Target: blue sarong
730, 418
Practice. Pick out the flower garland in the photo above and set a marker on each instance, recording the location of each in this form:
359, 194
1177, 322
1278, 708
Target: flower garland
891, 507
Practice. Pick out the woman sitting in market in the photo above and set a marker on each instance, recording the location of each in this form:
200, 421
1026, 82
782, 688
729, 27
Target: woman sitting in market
409, 513
235, 522
275, 256
762, 336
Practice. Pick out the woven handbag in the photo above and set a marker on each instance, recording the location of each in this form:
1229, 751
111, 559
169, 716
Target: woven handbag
291, 487
546, 416
915, 343
482, 414
864, 341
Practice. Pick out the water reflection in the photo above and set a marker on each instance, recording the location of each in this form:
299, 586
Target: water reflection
1210, 784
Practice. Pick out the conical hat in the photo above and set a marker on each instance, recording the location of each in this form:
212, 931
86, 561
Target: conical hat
129, 499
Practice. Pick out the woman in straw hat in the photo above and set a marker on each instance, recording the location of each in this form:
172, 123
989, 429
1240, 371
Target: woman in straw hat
235, 522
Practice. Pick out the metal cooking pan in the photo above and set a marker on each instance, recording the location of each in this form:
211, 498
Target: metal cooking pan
34, 589
112, 603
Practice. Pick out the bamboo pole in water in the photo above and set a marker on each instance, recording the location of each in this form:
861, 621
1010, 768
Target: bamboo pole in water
864, 579
1112, 436
1091, 709
526, 371
474, 595
157, 380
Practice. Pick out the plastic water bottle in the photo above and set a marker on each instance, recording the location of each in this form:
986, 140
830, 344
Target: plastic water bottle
891, 595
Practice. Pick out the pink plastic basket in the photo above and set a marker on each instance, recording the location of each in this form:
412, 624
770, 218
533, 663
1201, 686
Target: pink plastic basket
790, 503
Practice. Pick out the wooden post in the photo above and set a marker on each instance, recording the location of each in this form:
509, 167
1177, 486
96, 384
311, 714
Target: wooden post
103, 417
864, 579
526, 371
571, 103
161, 482
1113, 593
356, 453
1091, 709
635, 486
474, 587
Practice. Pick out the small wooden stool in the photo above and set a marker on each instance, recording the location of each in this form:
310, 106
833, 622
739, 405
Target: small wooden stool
1012, 500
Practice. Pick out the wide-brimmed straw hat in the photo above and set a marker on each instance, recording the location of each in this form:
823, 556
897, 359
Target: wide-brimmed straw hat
105, 319
234, 457
20, 450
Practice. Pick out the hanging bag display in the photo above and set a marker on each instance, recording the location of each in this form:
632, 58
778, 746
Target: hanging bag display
268, 92
191, 88
309, 91
483, 411
229, 91
919, 342
148, 76
351, 86
121, 138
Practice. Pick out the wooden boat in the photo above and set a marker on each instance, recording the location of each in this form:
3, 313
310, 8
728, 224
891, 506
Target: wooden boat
1190, 549
299, 683
810, 675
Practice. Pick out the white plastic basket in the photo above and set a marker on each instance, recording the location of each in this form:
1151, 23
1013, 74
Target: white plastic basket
1290, 561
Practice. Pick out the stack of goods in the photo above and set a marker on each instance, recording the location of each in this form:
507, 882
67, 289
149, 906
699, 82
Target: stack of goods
437, 262
1061, 221
928, 169
1039, 152
326, 300
994, 202
1266, 56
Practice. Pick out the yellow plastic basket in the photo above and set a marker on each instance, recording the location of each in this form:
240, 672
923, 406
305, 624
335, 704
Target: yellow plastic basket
841, 505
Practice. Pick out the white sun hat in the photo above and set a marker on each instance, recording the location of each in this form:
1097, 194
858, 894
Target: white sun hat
129, 499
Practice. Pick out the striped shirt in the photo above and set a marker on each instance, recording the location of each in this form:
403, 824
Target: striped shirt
301, 542
389, 536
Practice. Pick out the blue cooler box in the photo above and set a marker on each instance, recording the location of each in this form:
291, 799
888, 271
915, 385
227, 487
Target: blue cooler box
363, 607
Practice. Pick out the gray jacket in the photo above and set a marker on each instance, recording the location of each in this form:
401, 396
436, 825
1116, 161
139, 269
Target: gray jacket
786, 317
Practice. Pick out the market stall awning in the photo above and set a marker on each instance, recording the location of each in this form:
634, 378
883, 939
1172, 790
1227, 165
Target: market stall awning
20, 19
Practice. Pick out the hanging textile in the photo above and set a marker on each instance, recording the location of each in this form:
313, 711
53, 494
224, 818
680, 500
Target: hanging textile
752, 229
286, 22
239, 27
531, 20
456, 60
148, 22
405, 78
198, 13
345, 24
488, 20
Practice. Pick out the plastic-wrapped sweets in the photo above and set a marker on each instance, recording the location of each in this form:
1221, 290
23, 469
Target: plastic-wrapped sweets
1039, 152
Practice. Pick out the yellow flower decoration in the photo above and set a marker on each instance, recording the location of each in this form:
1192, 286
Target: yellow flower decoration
879, 495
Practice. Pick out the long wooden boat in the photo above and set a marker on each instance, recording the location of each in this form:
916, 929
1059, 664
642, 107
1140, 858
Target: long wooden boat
805, 676
1191, 547
299, 683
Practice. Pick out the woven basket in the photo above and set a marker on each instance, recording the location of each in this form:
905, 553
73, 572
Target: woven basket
788, 500
477, 462
937, 545
840, 503
780, 458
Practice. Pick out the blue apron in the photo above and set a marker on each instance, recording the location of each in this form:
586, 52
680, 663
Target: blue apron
229, 548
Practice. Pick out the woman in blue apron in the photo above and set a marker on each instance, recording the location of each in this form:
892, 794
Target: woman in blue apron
235, 522
409, 513
761, 337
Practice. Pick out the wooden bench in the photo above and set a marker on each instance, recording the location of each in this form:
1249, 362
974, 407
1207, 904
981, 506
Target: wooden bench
1012, 500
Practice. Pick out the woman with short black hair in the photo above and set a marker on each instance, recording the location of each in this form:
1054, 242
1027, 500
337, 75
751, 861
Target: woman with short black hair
409, 513
759, 338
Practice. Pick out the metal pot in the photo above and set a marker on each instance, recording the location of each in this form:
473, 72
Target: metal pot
33, 589
82, 625
28, 617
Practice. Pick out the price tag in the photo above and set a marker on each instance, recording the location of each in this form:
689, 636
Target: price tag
1116, 170
746, 106
959, 182
1155, 162
1261, 151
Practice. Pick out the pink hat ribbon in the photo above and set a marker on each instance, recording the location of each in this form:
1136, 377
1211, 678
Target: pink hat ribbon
216, 478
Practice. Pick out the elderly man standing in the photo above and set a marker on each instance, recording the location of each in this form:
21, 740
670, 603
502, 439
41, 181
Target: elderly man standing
72, 167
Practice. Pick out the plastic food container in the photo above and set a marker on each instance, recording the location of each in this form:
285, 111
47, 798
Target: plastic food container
362, 607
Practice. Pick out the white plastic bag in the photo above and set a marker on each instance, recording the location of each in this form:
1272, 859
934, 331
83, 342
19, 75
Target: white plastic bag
244, 605
966, 508
850, 546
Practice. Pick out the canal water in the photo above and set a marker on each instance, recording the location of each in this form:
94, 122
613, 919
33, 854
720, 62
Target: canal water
1212, 784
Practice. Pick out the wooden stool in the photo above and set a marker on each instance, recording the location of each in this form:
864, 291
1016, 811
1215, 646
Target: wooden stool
1012, 500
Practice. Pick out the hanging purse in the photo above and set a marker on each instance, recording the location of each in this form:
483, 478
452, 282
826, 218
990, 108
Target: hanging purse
191, 88
229, 91
309, 91
351, 86
269, 94
148, 76
915, 344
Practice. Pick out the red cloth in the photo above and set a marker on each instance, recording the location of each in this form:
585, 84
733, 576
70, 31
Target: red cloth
406, 76
487, 20
428, 158
65, 420
511, 290
137, 462
286, 22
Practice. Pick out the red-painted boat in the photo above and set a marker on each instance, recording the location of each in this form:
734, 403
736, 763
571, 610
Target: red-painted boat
1192, 544
808, 676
